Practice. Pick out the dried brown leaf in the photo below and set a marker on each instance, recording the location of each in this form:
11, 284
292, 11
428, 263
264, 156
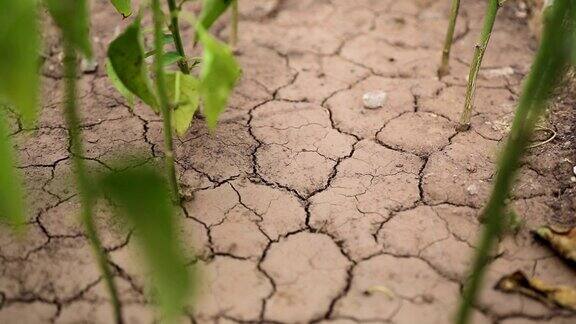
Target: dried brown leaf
563, 242
551, 295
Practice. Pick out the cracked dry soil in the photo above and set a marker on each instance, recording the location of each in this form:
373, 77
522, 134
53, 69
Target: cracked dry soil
302, 200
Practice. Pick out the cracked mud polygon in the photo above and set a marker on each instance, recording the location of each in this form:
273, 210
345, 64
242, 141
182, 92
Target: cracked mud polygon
302, 201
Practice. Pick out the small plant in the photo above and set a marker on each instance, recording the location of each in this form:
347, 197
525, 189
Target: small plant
140, 194
479, 50
444, 68
557, 48
177, 94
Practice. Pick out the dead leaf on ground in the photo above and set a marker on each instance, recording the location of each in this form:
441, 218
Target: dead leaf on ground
563, 242
551, 295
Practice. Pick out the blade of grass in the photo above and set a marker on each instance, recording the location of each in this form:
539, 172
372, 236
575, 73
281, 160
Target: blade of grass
143, 197
175, 29
11, 195
165, 108
19, 42
547, 70
82, 181
444, 68
479, 50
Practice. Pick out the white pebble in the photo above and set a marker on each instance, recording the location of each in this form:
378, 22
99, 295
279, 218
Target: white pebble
472, 190
374, 99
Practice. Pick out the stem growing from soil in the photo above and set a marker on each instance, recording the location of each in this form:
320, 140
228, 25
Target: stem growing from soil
548, 69
164, 103
175, 30
479, 50
234, 25
85, 189
444, 68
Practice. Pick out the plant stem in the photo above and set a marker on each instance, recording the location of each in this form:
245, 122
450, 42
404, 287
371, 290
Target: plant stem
444, 68
164, 103
479, 50
548, 68
85, 189
234, 24
175, 29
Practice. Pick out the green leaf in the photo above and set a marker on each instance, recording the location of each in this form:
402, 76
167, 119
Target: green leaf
123, 6
126, 55
219, 74
72, 18
119, 85
211, 10
11, 193
142, 196
19, 81
184, 92
170, 58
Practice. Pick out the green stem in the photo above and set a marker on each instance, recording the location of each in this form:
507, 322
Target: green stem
479, 50
548, 68
85, 189
164, 103
444, 68
234, 24
175, 30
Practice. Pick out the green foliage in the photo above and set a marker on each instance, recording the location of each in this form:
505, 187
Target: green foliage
170, 58
183, 90
219, 74
119, 85
550, 65
11, 193
123, 6
19, 81
71, 16
126, 55
142, 196
211, 10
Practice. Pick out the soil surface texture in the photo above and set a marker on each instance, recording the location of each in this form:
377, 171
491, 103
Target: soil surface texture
304, 205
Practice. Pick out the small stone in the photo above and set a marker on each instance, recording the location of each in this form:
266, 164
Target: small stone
574, 170
88, 66
374, 99
472, 190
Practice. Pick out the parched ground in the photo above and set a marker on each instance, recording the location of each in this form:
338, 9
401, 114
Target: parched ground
303, 205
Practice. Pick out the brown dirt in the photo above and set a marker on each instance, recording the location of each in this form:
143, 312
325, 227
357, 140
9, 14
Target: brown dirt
303, 201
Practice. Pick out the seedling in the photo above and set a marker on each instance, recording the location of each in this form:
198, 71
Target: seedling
444, 68
177, 94
557, 48
479, 50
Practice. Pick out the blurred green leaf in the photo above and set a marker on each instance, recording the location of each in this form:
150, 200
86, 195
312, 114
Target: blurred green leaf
123, 6
211, 10
19, 81
119, 85
126, 56
72, 18
11, 193
219, 74
171, 58
184, 92
142, 196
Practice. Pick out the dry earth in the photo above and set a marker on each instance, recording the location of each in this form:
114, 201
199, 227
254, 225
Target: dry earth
303, 201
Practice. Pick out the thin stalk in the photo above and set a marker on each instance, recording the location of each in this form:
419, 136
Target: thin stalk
175, 30
479, 50
164, 102
444, 68
547, 70
234, 25
85, 189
